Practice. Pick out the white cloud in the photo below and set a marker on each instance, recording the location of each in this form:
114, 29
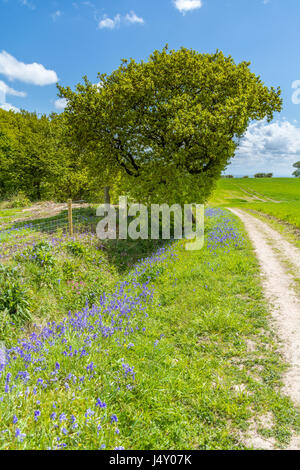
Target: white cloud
28, 4
269, 147
9, 107
187, 5
112, 23
34, 73
60, 103
296, 94
56, 15
98, 85
133, 18
109, 23
88, 4
4, 88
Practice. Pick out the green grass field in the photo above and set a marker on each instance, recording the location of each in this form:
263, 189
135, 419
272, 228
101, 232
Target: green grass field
178, 354
276, 197
280, 189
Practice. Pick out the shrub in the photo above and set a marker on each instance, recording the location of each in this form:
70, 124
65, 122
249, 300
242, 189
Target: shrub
42, 255
75, 248
18, 200
13, 296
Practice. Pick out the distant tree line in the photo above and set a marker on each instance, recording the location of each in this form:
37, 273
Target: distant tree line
263, 175
257, 175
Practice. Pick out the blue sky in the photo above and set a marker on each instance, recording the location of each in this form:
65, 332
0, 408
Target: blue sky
44, 41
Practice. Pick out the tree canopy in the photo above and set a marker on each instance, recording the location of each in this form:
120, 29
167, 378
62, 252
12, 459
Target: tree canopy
168, 126
37, 158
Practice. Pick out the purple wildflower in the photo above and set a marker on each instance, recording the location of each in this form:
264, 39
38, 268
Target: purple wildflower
100, 403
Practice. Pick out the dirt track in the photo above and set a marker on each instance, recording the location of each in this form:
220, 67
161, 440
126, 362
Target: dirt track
280, 289
280, 264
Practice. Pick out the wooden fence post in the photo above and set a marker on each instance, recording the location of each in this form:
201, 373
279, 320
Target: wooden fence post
70, 217
106, 195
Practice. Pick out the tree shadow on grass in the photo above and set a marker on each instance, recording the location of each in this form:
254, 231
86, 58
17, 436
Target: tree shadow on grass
122, 254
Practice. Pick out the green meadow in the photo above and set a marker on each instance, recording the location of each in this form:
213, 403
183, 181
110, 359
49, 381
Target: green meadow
276, 197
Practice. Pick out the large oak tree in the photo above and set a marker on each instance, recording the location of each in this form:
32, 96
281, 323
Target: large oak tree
169, 125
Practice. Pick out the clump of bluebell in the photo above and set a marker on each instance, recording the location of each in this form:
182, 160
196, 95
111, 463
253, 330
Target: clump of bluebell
224, 233
50, 383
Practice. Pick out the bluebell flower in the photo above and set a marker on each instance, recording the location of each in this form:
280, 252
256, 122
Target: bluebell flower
20, 435
89, 413
100, 403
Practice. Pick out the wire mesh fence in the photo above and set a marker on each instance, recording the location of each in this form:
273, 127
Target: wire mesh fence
21, 236
14, 238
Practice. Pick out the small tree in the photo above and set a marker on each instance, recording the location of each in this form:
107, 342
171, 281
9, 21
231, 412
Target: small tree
172, 124
297, 171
